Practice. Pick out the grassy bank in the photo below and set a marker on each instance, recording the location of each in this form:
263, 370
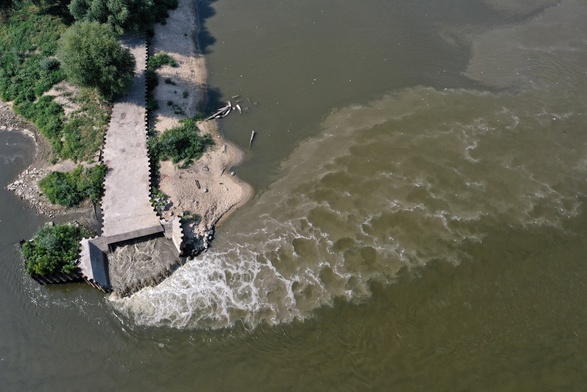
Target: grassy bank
29, 69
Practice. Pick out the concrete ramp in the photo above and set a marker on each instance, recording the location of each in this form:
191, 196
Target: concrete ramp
126, 205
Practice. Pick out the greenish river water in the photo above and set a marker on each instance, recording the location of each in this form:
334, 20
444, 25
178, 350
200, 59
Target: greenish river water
419, 222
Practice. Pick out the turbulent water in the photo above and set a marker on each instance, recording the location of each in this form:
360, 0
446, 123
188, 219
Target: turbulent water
409, 179
419, 223
140, 263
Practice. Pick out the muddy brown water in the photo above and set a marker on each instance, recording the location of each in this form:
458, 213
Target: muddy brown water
419, 223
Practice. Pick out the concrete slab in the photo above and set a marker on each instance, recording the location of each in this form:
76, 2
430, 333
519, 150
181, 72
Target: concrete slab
126, 203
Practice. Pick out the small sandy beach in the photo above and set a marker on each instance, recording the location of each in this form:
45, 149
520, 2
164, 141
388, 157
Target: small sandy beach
208, 187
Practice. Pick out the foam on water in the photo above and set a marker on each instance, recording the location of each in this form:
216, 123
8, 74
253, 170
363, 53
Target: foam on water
410, 179
404, 190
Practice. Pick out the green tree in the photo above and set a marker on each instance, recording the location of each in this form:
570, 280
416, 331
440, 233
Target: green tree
122, 15
91, 56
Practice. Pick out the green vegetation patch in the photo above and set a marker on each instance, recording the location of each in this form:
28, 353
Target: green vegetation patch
182, 144
78, 137
122, 15
159, 60
71, 189
158, 199
54, 249
91, 56
28, 42
152, 80
84, 130
28, 68
47, 116
189, 216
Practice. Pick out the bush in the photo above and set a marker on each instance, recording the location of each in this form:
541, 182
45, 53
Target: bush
122, 15
54, 249
92, 57
71, 189
46, 114
180, 144
159, 60
151, 79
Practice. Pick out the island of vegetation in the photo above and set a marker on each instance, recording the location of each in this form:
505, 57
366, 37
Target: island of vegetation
61, 67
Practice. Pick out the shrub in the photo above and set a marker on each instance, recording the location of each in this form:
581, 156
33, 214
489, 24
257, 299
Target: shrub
158, 199
47, 116
161, 59
49, 64
152, 81
54, 249
152, 104
189, 216
180, 144
71, 189
122, 15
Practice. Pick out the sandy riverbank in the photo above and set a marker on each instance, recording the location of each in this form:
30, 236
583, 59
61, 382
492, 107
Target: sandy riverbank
207, 188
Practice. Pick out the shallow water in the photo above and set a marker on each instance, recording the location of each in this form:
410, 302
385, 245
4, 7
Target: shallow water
419, 222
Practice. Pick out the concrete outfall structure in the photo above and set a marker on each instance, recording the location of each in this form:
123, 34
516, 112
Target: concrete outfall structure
198, 197
126, 205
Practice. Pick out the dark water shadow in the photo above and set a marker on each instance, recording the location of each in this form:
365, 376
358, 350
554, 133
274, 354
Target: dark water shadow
212, 101
204, 39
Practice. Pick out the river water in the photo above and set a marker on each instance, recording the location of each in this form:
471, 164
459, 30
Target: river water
419, 222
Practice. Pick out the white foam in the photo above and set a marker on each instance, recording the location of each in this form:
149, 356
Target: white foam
329, 227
